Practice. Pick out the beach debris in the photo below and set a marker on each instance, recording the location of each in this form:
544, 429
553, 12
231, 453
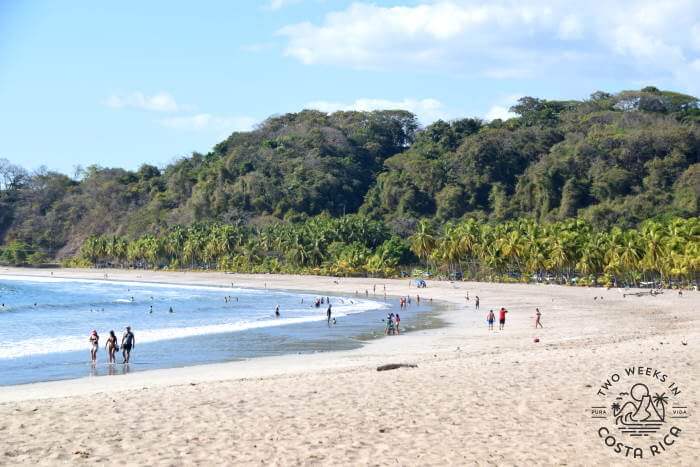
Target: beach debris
537, 339
394, 366
684, 343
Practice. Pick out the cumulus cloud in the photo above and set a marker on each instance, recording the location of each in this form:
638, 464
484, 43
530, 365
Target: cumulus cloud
501, 108
480, 36
160, 102
427, 110
209, 122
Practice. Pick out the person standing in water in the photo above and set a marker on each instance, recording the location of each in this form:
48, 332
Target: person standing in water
128, 343
490, 318
94, 345
538, 317
328, 315
277, 311
111, 347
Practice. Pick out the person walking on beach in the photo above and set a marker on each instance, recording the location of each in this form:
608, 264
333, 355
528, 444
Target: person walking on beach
476, 303
538, 317
397, 321
490, 318
328, 315
128, 343
502, 318
94, 345
111, 347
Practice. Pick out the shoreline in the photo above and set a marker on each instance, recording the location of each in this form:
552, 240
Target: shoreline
277, 365
475, 397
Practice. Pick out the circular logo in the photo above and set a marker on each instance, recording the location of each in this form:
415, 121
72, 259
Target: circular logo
639, 412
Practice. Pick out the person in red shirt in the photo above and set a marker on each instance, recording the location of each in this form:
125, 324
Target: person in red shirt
502, 318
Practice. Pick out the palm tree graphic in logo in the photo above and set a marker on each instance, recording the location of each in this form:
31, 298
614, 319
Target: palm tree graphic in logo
641, 415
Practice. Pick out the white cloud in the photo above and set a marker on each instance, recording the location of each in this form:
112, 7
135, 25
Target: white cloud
427, 110
499, 112
209, 122
484, 36
570, 28
501, 109
279, 4
160, 102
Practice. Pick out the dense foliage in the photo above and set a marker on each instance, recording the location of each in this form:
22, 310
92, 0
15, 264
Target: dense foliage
611, 161
567, 251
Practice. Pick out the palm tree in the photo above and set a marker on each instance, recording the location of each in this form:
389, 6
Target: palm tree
423, 240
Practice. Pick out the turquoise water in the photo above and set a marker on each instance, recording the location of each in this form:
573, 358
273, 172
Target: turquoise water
45, 324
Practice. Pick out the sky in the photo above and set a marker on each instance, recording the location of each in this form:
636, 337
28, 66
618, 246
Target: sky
120, 84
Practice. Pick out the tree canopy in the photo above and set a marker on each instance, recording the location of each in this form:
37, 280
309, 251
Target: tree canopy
612, 161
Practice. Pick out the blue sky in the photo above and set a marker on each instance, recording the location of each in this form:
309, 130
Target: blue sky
123, 83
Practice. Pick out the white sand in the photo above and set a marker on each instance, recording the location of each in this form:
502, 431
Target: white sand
477, 397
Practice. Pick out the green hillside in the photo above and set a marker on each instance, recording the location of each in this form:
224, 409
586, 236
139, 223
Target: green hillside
611, 161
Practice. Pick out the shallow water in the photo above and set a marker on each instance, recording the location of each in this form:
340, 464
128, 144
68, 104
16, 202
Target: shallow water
45, 325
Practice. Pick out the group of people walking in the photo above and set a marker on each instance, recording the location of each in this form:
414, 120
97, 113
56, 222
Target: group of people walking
112, 345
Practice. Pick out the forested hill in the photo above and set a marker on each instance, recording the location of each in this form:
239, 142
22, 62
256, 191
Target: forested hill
611, 160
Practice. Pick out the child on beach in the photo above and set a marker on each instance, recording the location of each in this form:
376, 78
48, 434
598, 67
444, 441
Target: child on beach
397, 321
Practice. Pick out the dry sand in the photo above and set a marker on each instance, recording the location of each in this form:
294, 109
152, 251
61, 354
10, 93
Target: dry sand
476, 397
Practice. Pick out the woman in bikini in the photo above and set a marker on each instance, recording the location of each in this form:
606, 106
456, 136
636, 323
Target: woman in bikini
94, 345
111, 347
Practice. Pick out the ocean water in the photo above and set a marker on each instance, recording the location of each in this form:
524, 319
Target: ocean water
45, 324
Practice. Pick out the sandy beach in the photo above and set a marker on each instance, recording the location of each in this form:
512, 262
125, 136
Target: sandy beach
476, 397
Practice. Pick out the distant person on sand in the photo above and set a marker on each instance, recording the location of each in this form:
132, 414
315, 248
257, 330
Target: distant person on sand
94, 345
502, 318
111, 347
328, 315
277, 311
128, 343
476, 303
538, 316
490, 318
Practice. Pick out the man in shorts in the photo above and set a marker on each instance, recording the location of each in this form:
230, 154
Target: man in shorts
502, 318
128, 343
